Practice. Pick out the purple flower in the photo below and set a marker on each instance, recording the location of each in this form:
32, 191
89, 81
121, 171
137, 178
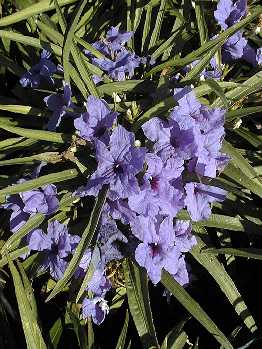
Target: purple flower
124, 63
108, 237
230, 12
59, 105
157, 251
117, 166
26, 204
157, 192
119, 210
95, 123
198, 198
184, 240
99, 284
171, 141
42, 70
116, 39
56, 245
84, 264
182, 275
233, 48
96, 308
259, 56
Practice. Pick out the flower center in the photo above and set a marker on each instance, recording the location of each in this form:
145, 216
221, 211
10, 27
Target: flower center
100, 131
54, 249
154, 182
155, 249
118, 169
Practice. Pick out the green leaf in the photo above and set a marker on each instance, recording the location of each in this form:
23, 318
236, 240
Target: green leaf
123, 86
14, 240
38, 182
146, 29
28, 40
249, 136
248, 87
40, 7
201, 22
55, 333
13, 255
200, 66
23, 109
194, 309
85, 241
254, 253
159, 19
156, 110
238, 176
240, 113
238, 160
37, 134
139, 304
218, 90
218, 272
68, 42
31, 329
122, 337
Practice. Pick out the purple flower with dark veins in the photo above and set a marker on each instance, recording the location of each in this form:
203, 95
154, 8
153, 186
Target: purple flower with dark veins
230, 12
96, 308
116, 39
60, 105
184, 240
124, 63
117, 166
96, 122
28, 203
157, 192
42, 70
198, 198
171, 141
234, 47
56, 245
157, 251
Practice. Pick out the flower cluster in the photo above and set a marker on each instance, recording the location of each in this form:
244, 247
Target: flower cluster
147, 185
118, 62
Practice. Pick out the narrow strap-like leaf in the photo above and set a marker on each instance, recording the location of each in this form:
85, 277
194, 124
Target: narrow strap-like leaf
194, 309
139, 305
85, 241
218, 272
122, 337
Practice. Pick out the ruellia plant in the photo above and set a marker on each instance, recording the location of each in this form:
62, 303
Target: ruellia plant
130, 173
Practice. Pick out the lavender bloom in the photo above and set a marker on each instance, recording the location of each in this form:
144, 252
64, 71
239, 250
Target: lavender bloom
124, 63
96, 307
26, 204
230, 12
157, 251
117, 166
96, 121
116, 39
182, 275
42, 70
259, 56
84, 264
184, 240
119, 210
157, 192
172, 141
56, 245
99, 284
59, 105
118, 61
198, 198
108, 237
233, 48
